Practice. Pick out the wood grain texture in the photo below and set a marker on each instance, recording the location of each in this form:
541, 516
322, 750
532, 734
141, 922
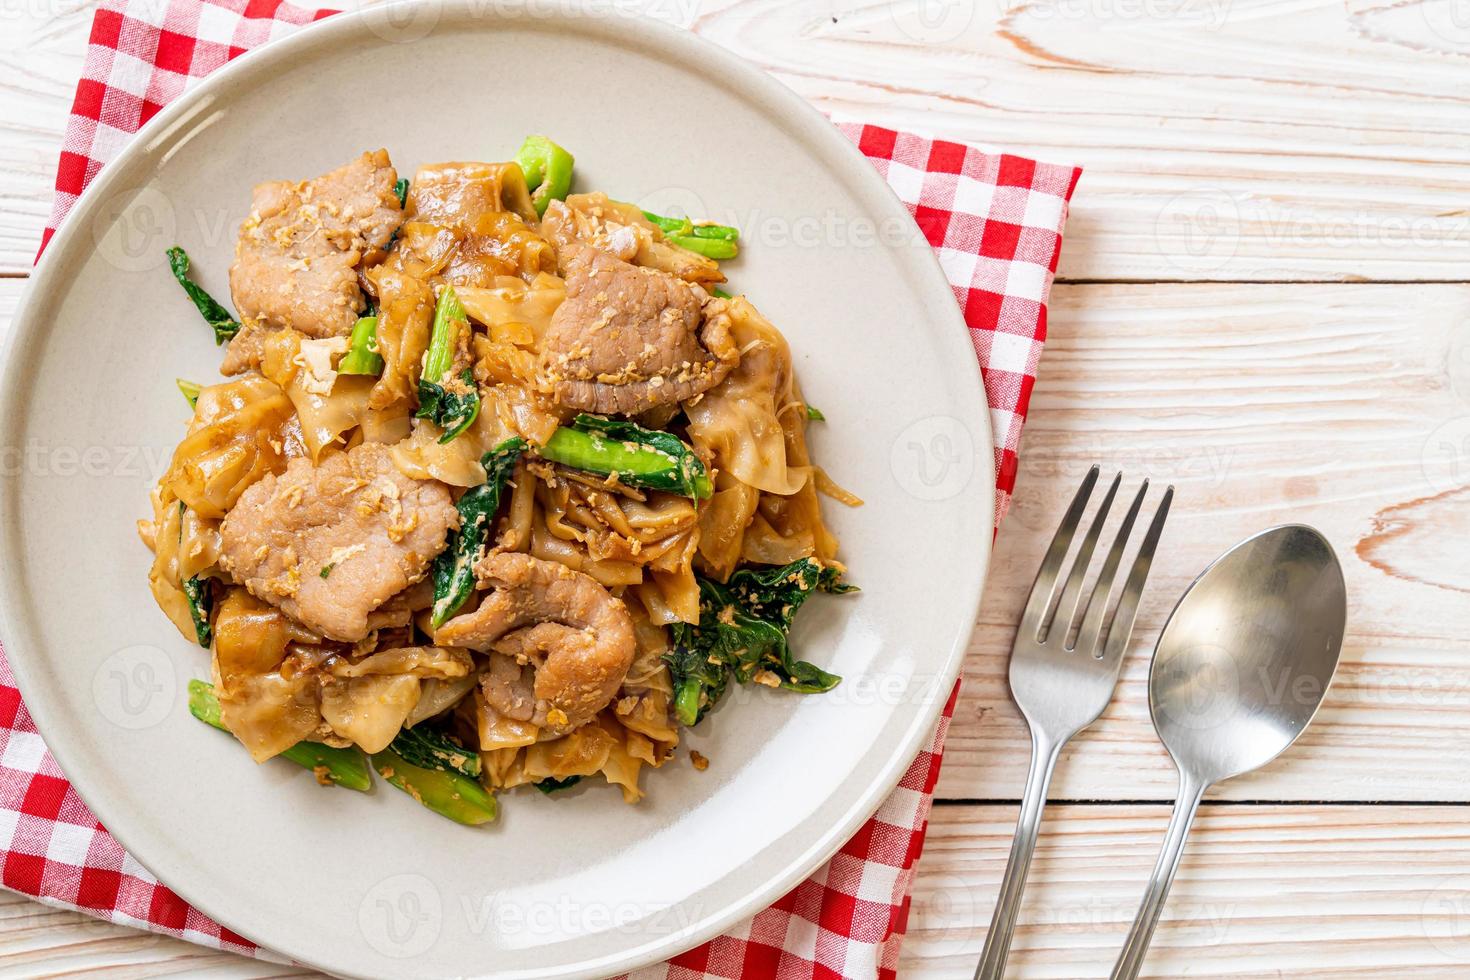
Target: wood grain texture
1264, 891
1223, 139
42, 45
1342, 406
1312, 892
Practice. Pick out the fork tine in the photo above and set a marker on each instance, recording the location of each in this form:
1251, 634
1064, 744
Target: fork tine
1071, 603
1128, 604
1045, 586
1097, 604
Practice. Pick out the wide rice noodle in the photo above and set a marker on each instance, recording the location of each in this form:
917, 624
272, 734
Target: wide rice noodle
472, 226
738, 421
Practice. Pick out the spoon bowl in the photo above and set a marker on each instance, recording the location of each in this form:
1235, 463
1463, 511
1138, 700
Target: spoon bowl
1240, 669
1245, 659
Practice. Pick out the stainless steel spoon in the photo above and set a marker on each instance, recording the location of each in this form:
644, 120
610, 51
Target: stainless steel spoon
1240, 669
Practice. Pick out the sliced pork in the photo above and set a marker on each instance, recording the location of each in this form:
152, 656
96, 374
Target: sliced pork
297, 258
329, 544
560, 643
628, 339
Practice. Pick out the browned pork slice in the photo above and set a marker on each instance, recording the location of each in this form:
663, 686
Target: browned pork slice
561, 643
330, 544
627, 339
297, 257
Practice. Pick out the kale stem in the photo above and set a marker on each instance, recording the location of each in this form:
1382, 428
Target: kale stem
714, 248
453, 404
447, 793
637, 456
362, 355
449, 317
684, 226
686, 701
548, 170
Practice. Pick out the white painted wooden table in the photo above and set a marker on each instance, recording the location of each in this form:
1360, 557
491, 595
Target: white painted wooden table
1264, 298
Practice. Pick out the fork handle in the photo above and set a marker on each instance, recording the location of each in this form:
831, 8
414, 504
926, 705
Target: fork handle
1044, 752
1130, 960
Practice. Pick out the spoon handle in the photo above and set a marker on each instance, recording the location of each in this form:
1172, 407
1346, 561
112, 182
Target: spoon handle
1130, 960
1044, 752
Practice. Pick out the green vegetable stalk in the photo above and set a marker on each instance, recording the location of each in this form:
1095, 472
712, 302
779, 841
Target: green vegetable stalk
342, 767
548, 170
362, 355
742, 630
453, 403
671, 226
687, 228
449, 317
447, 792
814, 414
639, 457
190, 390
225, 326
714, 248
711, 240
454, 569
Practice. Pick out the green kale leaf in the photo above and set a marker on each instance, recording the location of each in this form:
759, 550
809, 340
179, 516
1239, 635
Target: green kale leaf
225, 326
743, 630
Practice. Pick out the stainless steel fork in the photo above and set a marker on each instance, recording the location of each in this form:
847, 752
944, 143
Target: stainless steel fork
1062, 684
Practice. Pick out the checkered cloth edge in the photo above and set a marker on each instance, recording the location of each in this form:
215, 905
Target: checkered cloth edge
995, 222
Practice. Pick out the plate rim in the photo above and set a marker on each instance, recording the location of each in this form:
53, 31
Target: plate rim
752, 85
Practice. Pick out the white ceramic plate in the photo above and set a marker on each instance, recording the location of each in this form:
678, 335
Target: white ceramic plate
580, 884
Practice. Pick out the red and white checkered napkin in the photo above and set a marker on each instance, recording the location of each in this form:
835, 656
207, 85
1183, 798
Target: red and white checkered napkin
995, 222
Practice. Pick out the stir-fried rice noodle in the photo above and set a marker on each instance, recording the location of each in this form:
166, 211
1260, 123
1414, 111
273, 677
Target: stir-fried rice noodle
305, 487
